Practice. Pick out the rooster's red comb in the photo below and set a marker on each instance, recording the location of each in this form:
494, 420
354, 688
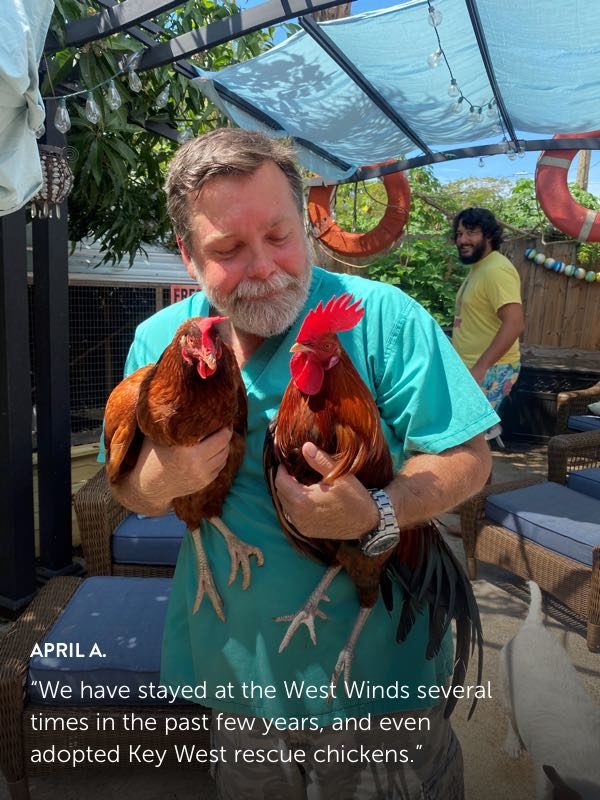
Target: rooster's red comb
340, 314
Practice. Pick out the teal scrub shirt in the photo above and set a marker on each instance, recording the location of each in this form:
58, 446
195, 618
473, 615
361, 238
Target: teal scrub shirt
428, 403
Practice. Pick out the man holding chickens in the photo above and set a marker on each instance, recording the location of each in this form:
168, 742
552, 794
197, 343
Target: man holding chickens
236, 201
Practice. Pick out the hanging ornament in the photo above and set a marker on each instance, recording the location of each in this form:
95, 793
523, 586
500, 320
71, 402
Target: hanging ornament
62, 120
163, 98
57, 182
113, 98
92, 110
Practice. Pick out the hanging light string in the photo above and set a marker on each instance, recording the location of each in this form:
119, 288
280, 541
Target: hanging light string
93, 114
461, 101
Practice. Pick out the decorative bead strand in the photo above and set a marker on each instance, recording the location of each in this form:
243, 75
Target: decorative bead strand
570, 270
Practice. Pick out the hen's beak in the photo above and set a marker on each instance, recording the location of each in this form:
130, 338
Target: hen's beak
299, 348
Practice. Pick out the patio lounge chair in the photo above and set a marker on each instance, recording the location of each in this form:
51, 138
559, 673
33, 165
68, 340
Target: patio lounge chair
117, 542
572, 410
125, 617
546, 531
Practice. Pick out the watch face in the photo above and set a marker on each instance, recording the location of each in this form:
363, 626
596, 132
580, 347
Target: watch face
380, 543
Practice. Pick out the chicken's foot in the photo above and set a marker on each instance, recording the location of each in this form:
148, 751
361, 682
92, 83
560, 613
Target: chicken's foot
205, 578
309, 611
239, 552
346, 656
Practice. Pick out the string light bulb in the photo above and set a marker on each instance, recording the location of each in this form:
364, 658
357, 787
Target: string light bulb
474, 115
92, 110
435, 17
433, 59
185, 135
457, 107
453, 90
134, 80
113, 98
62, 120
491, 109
163, 97
481, 161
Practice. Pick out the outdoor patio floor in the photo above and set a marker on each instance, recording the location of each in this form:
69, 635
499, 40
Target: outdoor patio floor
489, 773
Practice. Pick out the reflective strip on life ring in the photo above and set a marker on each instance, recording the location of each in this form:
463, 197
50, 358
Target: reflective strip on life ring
553, 194
382, 236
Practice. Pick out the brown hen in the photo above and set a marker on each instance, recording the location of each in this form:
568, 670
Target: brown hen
192, 391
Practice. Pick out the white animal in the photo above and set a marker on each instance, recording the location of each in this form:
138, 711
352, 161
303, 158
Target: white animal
550, 714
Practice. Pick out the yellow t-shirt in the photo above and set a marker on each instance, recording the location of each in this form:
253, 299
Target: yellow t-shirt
491, 283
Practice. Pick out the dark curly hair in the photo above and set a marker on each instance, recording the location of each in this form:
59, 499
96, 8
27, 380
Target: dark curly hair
472, 218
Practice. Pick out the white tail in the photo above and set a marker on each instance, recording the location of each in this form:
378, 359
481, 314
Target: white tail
534, 617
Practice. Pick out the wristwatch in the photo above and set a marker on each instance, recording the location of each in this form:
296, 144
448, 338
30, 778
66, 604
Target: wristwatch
387, 534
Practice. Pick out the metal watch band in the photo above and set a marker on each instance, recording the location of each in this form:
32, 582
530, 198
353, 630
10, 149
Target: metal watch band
387, 534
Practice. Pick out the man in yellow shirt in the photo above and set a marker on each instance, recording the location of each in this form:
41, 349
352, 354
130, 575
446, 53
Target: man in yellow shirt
489, 315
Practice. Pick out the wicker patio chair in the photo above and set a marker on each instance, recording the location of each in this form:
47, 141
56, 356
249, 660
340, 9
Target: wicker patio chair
98, 514
571, 404
573, 583
17, 737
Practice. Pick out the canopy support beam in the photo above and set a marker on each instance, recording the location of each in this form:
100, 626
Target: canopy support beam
251, 19
529, 145
487, 62
334, 52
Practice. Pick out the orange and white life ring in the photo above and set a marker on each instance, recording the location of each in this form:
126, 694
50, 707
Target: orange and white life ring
553, 194
382, 236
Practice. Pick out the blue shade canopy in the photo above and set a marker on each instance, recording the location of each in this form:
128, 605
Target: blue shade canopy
542, 54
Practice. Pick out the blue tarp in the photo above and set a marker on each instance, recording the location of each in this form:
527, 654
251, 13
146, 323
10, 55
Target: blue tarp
545, 55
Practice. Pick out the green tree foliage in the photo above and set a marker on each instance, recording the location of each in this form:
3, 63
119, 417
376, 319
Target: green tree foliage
120, 165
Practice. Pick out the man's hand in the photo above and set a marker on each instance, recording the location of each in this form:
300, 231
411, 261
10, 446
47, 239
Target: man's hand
478, 373
343, 509
163, 473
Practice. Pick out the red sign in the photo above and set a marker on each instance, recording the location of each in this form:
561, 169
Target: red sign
179, 291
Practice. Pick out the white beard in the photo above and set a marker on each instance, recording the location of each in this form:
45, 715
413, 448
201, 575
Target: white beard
250, 309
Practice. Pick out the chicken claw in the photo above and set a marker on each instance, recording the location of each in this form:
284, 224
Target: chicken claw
205, 579
309, 611
346, 655
239, 552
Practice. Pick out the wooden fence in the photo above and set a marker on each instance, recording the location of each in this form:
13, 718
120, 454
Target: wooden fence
562, 314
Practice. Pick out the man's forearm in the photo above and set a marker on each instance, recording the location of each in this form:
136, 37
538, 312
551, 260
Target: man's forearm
429, 485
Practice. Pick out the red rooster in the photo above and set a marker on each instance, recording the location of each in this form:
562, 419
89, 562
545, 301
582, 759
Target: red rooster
327, 403
192, 391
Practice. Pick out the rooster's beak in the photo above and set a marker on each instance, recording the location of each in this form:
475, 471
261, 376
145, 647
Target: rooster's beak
299, 348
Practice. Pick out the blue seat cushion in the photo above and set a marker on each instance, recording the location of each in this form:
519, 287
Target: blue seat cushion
554, 516
586, 481
148, 540
584, 422
124, 618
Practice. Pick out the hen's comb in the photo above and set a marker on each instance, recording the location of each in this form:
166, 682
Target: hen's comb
206, 323
339, 314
